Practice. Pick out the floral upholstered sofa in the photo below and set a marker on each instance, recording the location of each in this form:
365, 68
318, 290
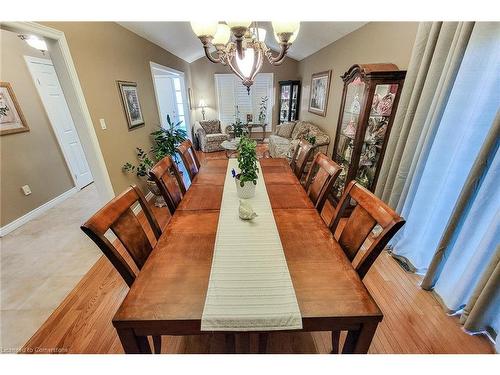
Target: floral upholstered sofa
285, 139
210, 134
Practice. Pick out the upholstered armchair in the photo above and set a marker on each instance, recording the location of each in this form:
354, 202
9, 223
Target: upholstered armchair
287, 136
210, 134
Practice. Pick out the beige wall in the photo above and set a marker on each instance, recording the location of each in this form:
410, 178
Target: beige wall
376, 42
31, 158
203, 83
104, 52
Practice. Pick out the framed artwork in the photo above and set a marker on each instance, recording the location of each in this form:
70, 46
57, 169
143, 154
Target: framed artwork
249, 118
131, 105
11, 117
318, 97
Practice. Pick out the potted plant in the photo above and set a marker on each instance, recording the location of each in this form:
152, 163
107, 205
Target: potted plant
165, 141
246, 179
141, 170
263, 110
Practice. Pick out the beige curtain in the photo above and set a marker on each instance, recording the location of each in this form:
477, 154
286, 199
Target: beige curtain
437, 54
481, 309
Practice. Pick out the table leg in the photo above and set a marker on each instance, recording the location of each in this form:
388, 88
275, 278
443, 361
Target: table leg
133, 344
358, 341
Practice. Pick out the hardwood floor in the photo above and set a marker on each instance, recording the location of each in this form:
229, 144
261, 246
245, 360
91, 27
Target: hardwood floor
414, 322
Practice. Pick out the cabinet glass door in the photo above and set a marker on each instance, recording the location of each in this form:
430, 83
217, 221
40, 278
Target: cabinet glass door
376, 130
349, 126
294, 103
285, 103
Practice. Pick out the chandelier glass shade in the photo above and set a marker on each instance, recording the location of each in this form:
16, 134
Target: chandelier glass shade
241, 45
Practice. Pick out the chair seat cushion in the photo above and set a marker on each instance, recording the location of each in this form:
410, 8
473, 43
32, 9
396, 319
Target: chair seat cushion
219, 137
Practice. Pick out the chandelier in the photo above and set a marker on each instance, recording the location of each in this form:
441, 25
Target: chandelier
241, 45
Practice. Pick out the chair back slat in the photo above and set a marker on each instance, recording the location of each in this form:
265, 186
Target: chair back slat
129, 231
320, 179
369, 212
358, 227
189, 158
300, 158
117, 216
167, 177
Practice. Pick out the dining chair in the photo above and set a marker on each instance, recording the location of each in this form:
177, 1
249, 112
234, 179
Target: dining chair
300, 158
167, 177
368, 213
320, 179
189, 158
118, 216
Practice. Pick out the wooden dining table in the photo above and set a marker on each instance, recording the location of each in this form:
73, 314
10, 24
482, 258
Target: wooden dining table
168, 296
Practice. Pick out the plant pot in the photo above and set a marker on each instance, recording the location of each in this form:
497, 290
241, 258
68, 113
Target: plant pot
159, 201
245, 191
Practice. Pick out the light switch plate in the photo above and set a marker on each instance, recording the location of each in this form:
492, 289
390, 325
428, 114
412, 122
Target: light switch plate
103, 124
26, 189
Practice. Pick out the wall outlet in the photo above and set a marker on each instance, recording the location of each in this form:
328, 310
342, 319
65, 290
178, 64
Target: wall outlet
26, 189
103, 124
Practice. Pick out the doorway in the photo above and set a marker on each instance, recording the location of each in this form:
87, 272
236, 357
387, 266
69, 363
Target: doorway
53, 100
171, 96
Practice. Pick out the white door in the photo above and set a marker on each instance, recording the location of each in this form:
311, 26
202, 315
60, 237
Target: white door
49, 89
166, 99
171, 95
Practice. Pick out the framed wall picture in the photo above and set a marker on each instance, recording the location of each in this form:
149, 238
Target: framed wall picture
11, 117
318, 97
131, 104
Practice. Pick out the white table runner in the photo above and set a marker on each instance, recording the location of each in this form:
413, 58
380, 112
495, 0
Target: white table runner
250, 288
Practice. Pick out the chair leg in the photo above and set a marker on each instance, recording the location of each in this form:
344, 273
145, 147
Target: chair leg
263, 342
335, 342
157, 344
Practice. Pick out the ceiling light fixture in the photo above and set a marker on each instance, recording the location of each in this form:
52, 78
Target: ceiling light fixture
241, 45
35, 42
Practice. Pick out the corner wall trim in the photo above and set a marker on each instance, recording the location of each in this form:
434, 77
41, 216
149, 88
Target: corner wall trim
6, 229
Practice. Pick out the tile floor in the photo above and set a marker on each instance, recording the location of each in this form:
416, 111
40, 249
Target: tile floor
39, 267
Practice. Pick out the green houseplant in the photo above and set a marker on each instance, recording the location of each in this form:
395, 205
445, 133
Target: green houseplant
165, 141
246, 179
263, 110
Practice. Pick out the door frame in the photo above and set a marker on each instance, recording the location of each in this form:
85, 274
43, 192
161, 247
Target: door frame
64, 66
57, 132
187, 114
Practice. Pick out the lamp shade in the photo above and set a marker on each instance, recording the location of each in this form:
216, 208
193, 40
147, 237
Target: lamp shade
202, 103
285, 26
245, 64
222, 34
204, 28
245, 24
292, 38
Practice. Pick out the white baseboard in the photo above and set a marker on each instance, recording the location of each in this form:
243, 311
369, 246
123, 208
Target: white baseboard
36, 212
137, 207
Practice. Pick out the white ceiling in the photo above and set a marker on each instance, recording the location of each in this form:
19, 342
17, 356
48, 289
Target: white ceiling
179, 39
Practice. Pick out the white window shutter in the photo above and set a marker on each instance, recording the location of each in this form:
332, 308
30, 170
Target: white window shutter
231, 92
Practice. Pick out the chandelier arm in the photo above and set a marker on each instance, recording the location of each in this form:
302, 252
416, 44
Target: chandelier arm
278, 60
215, 60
